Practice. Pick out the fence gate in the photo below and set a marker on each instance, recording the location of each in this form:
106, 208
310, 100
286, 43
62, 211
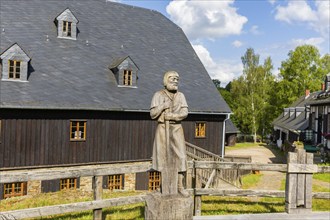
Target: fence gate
298, 194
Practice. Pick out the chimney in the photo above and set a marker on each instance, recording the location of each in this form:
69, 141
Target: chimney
307, 92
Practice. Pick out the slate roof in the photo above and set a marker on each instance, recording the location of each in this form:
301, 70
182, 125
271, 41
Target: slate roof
75, 74
231, 128
293, 122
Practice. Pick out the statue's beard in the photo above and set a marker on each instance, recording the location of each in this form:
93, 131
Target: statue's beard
172, 87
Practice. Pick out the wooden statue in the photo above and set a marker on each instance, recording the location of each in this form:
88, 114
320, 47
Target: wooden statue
169, 108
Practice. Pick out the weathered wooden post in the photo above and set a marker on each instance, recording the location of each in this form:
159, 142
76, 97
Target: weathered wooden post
298, 190
169, 107
97, 194
197, 198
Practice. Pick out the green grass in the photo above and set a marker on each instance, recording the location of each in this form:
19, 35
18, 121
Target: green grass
125, 212
211, 205
244, 145
250, 180
322, 176
224, 205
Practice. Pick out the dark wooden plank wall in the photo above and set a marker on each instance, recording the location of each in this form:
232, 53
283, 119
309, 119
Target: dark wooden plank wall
36, 138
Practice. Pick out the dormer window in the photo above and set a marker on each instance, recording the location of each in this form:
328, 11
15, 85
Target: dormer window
14, 69
67, 28
128, 78
14, 64
125, 71
66, 25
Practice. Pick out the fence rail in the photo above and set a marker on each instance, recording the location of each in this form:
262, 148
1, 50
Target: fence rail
102, 170
213, 178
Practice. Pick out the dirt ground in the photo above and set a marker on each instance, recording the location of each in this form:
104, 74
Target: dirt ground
270, 180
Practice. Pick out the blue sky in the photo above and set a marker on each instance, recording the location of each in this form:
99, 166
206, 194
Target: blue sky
221, 30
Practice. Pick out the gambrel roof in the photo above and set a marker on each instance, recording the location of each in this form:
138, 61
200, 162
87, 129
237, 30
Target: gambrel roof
68, 74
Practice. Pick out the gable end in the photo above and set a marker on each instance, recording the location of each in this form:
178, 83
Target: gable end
14, 64
66, 25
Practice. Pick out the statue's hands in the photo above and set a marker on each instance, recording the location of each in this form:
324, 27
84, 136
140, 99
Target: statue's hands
169, 116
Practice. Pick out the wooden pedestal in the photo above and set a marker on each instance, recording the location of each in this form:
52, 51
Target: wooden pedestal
169, 207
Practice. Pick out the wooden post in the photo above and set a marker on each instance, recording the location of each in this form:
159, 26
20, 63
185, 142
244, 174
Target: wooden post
197, 198
97, 194
298, 192
169, 173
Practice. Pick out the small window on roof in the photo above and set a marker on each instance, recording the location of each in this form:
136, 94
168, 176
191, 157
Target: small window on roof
125, 71
67, 25
14, 64
128, 77
14, 69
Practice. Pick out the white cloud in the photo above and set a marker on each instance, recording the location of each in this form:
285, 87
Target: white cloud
317, 41
237, 43
255, 30
302, 12
224, 70
295, 11
272, 2
206, 19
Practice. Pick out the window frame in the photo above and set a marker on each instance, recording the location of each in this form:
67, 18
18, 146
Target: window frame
77, 129
68, 183
16, 66
200, 129
128, 77
116, 182
154, 180
12, 187
67, 28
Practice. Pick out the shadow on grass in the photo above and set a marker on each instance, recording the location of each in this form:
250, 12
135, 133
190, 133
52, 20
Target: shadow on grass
221, 207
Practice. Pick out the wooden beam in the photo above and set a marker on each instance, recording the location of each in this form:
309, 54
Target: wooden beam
72, 172
240, 166
248, 192
302, 168
73, 207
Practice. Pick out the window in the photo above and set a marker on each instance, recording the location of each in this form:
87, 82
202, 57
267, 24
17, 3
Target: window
70, 183
116, 181
67, 26
14, 69
77, 130
154, 180
128, 76
14, 189
66, 23
200, 129
14, 64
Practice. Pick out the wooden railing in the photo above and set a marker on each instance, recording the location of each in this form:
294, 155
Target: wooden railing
98, 171
214, 177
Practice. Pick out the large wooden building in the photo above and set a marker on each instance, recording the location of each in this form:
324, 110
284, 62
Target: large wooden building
77, 78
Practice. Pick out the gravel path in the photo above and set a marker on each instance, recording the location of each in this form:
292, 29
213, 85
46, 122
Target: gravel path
271, 180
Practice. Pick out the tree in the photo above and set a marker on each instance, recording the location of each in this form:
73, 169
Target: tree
216, 82
303, 70
250, 94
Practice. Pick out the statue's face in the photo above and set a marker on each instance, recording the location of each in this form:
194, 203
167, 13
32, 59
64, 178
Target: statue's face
172, 83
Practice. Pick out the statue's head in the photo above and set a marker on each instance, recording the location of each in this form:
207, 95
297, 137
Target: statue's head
171, 81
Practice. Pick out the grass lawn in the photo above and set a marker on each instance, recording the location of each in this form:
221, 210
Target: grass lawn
245, 145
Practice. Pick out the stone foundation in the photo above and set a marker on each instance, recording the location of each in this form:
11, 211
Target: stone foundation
34, 187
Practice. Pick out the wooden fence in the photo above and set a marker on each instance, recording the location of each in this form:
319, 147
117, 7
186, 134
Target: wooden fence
101, 170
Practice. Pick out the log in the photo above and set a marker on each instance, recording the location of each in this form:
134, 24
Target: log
72, 172
73, 207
